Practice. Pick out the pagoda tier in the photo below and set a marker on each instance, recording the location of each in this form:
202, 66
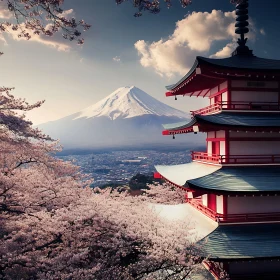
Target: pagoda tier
180, 174
235, 181
226, 121
239, 242
208, 73
243, 251
243, 180
238, 194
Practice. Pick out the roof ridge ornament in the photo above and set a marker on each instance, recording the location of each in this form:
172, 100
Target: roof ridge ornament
241, 28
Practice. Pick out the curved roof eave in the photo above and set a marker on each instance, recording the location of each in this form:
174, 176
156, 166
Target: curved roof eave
179, 174
244, 241
241, 119
242, 179
191, 71
179, 125
246, 120
240, 62
252, 63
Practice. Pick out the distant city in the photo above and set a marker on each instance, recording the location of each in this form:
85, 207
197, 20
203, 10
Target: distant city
120, 166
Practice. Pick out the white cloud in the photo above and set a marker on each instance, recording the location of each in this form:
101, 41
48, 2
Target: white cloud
225, 51
3, 40
56, 41
67, 13
117, 59
4, 11
193, 35
5, 14
52, 42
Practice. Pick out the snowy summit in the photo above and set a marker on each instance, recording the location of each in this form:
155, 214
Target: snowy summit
128, 102
128, 117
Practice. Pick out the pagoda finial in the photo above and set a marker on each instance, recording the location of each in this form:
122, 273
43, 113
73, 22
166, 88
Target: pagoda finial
241, 27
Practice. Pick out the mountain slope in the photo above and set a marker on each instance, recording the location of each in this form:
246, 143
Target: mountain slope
129, 102
128, 117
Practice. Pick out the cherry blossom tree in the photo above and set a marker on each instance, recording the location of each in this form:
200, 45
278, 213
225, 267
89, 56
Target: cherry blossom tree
46, 17
153, 6
53, 226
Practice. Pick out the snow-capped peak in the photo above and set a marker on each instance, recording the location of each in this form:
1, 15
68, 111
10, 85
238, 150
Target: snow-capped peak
129, 102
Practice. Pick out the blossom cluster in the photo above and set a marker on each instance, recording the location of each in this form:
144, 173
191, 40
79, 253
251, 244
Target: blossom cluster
153, 6
42, 17
53, 226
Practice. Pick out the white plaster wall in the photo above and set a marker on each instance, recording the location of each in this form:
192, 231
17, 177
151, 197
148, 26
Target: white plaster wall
254, 147
253, 204
224, 96
220, 204
211, 134
254, 96
189, 195
222, 148
204, 200
223, 85
209, 147
220, 134
252, 134
271, 84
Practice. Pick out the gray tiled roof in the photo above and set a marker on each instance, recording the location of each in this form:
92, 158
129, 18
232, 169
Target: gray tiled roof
243, 119
240, 179
231, 119
242, 62
247, 241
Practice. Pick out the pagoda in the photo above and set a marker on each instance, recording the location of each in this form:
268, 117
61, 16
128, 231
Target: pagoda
236, 181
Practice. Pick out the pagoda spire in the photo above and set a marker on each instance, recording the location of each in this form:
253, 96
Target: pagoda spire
241, 28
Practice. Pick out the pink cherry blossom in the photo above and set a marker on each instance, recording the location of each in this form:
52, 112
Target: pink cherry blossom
46, 17
54, 226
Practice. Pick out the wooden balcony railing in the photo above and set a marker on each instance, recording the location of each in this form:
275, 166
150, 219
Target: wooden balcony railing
234, 218
238, 106
205, 157
209, 109
235, 159
252, 217
196, 202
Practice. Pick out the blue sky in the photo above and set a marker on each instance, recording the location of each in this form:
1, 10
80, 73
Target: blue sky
148, 52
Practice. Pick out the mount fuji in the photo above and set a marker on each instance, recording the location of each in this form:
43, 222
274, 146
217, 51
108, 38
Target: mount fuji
127, 118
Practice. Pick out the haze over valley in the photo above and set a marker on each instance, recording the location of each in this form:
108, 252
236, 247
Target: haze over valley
127, 118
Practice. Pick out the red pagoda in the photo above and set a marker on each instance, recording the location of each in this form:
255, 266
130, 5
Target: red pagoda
236, 181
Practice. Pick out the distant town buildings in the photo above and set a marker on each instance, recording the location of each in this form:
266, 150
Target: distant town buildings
120, 166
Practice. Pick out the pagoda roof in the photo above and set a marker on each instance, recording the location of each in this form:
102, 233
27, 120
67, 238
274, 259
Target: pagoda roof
243, 62
222, 179
229, 119
181, 173
243, 241
245, 179
209, 72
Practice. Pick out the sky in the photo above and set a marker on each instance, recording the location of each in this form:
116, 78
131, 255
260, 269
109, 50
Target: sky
149, 52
